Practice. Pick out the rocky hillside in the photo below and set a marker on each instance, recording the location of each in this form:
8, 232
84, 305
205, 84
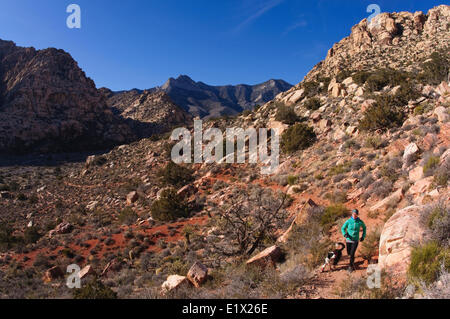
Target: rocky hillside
203, 100
48, 104
153, 110
396, 40
376, 139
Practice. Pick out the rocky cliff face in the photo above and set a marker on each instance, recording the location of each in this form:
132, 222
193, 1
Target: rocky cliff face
203, 100
395, 40
153, 110
48, 104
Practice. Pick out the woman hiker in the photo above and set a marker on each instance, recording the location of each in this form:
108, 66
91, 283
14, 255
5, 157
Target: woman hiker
350, 230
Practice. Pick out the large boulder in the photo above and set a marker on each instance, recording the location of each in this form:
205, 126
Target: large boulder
400, 233
132, 197
53, 274
197, 274
174, 282
267, 257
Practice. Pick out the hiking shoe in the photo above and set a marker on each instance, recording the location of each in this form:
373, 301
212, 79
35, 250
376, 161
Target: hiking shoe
350, 269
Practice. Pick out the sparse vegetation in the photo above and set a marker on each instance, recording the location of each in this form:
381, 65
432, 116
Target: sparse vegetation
286, 114
169, 207
297, 137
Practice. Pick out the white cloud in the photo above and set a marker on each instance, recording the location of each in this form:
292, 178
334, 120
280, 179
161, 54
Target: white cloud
265, 7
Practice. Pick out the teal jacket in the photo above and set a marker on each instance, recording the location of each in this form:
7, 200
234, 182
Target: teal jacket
352, 228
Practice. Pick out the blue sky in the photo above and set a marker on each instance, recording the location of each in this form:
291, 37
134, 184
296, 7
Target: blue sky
141, 43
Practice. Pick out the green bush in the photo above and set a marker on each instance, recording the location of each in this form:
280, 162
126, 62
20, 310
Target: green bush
175, 175
286, 114
31, 235
311, 88
430, 165
384, 114
361, 77
127, 216
6, 236
297, 137
94, 290
435, 70
292, 180
332, 214
342, 75
384, 77
369, 246
426, 262
312, 104
169, 207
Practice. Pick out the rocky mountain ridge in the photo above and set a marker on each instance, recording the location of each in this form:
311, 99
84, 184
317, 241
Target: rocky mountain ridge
48, 104
206, 101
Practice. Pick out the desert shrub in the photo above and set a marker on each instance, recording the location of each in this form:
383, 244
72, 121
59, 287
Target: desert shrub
340, 169
382, 115
437, 218
357, 288
357, 164
431, 163
435, 69
369, 246
439, 289
351, 144
337, 197
407, 92
6, 236
286, 114
297, 137
342, 75
169, 207
175, 175
381, 188
381, 78
366, 181
312, 104
292, 180
95, 289
311, 88
441, 174
360, 77
426, 261
332, 214
248, 218
375, 142
31, 235
127, 216
390, 169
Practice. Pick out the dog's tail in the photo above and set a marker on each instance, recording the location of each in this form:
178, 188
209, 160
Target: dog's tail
342, 246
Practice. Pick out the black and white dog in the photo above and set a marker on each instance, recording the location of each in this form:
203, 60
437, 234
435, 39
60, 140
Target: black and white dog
334, 256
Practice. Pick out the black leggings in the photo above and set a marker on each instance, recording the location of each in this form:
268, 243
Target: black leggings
351, 250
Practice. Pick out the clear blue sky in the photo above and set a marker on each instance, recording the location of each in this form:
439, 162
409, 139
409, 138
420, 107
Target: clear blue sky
128, 44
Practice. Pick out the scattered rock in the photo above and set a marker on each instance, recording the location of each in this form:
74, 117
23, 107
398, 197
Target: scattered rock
53, 274
442, 114
197, 274
132, 197
63, 228
174, 282
87, 271
268, 257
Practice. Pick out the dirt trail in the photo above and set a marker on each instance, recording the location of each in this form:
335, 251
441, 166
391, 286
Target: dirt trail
325, 284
